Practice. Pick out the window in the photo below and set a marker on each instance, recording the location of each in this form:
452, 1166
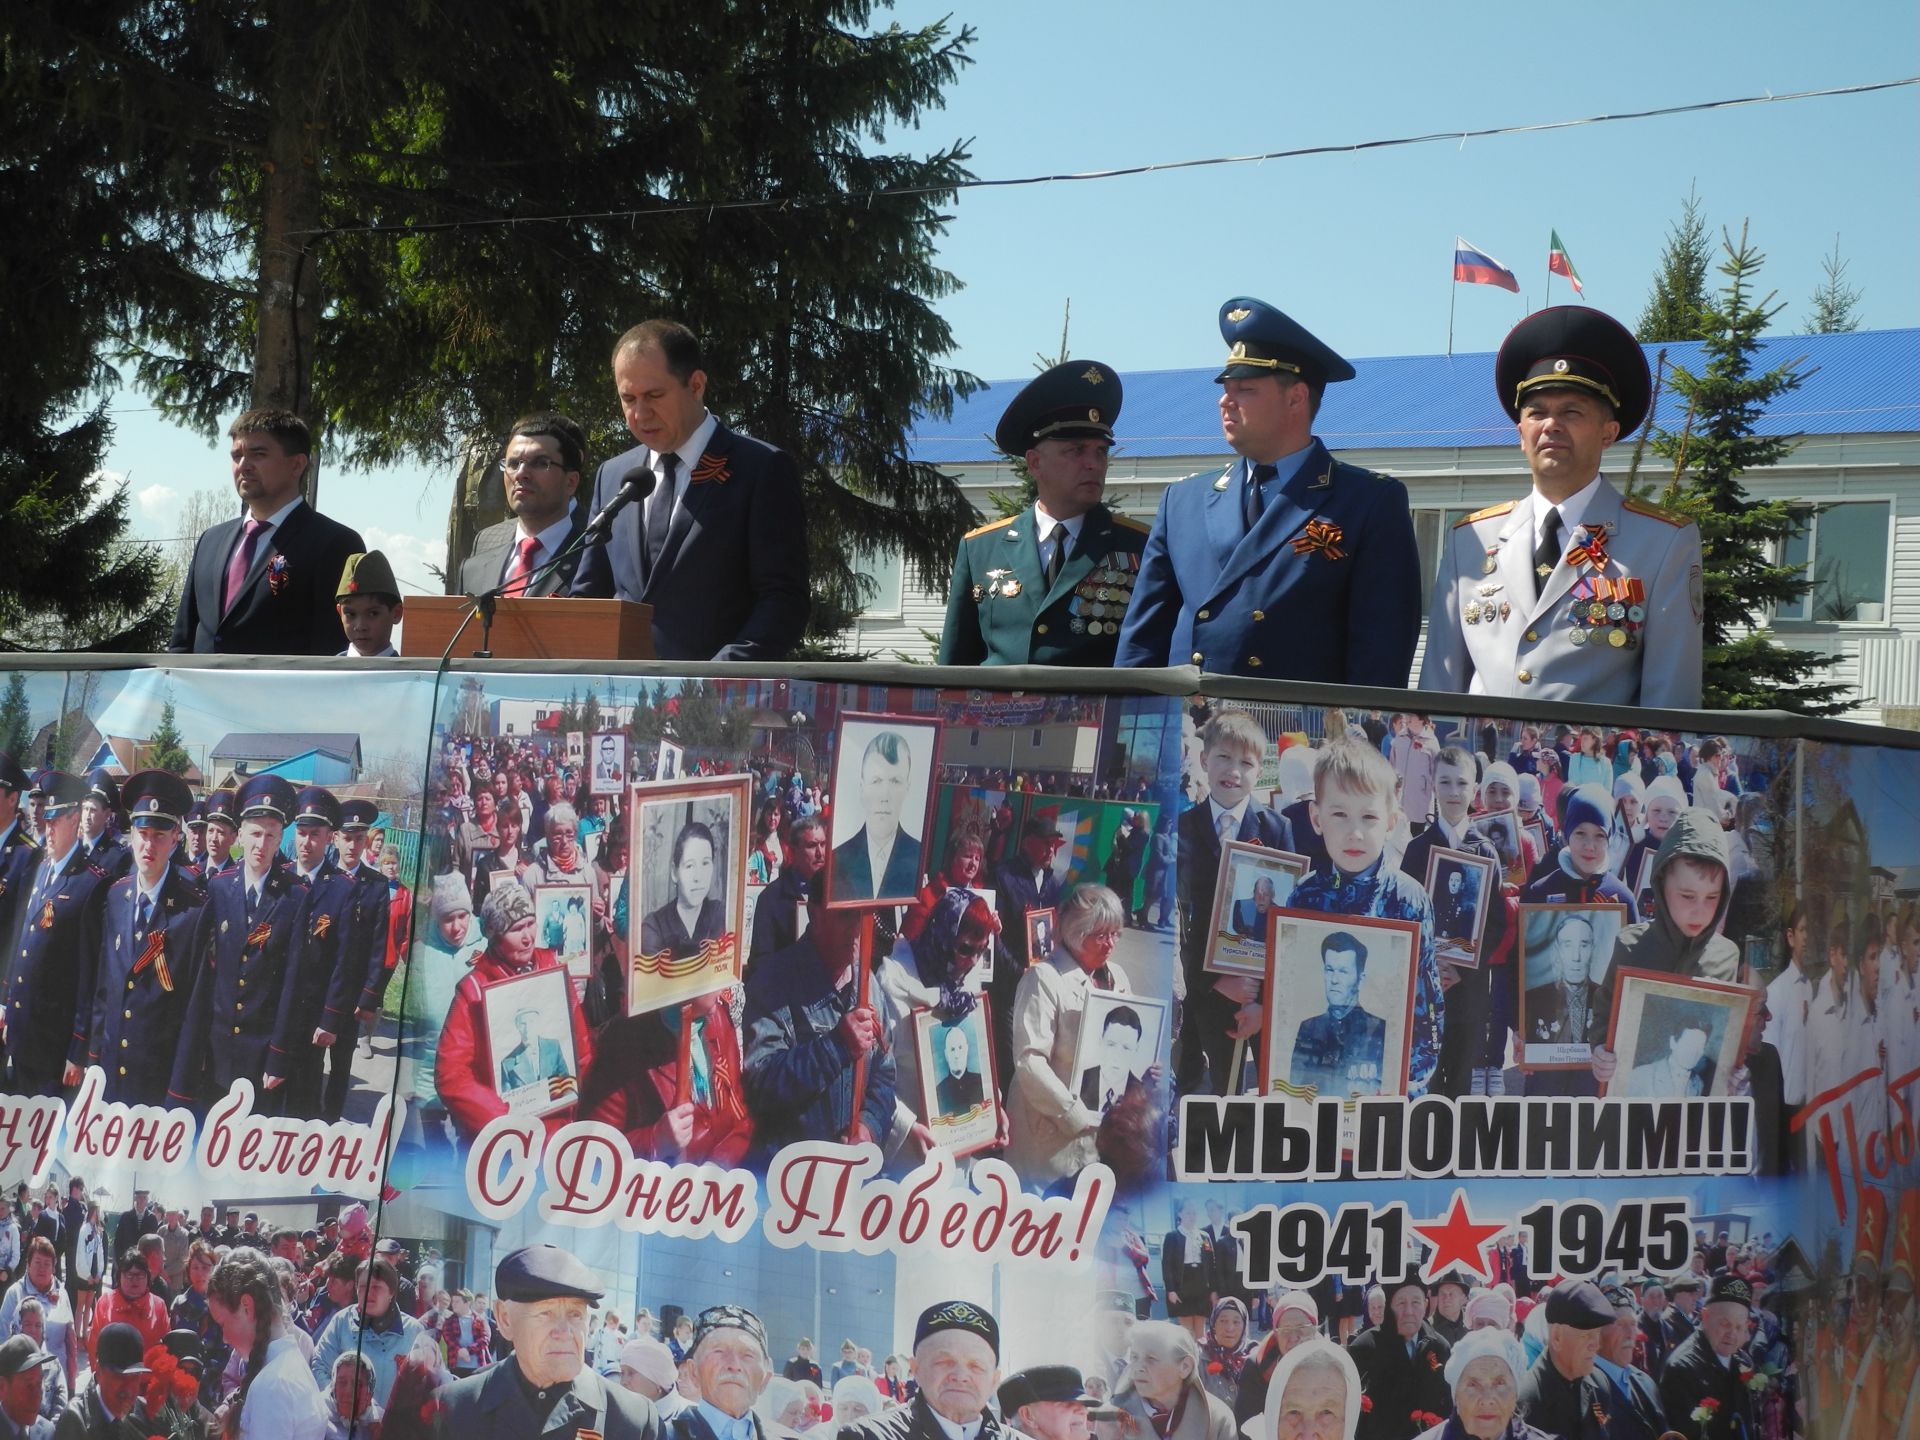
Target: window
884, 569
1844, 550
1430, 531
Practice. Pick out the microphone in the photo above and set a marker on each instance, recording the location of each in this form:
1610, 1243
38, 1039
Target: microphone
637, 484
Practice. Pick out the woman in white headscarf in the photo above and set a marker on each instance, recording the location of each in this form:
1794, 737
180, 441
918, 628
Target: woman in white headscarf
1484, 1373
1314, 1395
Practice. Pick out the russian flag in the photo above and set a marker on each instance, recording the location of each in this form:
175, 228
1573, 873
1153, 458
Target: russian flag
1476, 267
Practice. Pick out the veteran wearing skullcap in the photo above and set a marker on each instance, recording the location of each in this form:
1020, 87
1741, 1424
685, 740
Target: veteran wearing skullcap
1048, 586
1561, 1393
544, 1299
1637, 1412
1574, 592
1289, 564
1712, 1364
58, 935
731, 1367
1046, 1402
956, 1362
137, 1009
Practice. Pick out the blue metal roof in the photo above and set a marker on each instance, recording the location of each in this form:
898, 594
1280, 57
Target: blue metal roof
1864, 383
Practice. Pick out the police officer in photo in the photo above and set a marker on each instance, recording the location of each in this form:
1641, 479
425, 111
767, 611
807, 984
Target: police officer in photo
1575, 592
1049, 586
1289, 564
545, 1387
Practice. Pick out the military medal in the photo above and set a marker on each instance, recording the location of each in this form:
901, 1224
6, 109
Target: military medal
1578, 635
1636, 613
1011, 588
1616, 638
1506, 610
977, 593
1491, 561
1472, 613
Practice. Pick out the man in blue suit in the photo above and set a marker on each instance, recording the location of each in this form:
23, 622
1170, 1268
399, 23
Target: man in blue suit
139, 1000
1289, 565
719, 548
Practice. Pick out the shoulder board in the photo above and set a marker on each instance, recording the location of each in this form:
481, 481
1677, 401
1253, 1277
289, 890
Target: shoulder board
1138, 526
1652, 511
99, 872
990, 526
1486, 514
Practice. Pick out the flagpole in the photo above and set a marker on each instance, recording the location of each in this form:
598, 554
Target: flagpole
1453, 294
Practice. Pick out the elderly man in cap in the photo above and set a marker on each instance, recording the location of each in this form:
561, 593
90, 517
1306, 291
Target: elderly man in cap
1048, 586
956, 1363
1402, 1363
1704, 1388
247, 949
731, 1366
23, 1371
137, 1010
1046, 1402
1575, 592
545, 1387
53, 960
1560, 1393
1288, 565
112, 1406
1637, 1413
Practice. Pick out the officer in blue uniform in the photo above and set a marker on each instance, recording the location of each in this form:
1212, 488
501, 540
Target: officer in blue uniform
191, 854
327, 988
56, 951
364, 957
1287, 565
223, 824
1049, 586
99, 817
19, 851
146, 944
246, 953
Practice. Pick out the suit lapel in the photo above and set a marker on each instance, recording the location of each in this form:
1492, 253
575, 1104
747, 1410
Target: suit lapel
556, 578
277, 541
1096, 534
1225, 529
1286, 515
212, 579
700, 502
1019, 555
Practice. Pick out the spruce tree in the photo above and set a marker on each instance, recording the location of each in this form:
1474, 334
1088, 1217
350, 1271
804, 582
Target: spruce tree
165, 748
1676, 307
1836, 304
16, 718
1747, 668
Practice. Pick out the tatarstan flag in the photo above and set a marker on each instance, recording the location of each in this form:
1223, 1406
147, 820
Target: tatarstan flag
1561, 263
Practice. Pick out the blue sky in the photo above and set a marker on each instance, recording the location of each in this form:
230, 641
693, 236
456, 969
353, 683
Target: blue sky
1356, 246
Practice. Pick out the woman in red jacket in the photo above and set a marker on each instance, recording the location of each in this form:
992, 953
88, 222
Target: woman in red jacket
465, 1066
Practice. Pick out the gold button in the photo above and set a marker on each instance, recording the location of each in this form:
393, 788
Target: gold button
1253, 661
1533, 634
236, 1029
1259, 614
1204, 615
1041, 629
128, 1014
1525, 677
1197, 657
123, 1044
123, 1069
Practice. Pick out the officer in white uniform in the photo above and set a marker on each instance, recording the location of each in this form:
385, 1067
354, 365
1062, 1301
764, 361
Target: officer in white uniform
1575, 592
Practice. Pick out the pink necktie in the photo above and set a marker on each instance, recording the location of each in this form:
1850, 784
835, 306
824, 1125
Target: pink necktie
241, 561
522, 568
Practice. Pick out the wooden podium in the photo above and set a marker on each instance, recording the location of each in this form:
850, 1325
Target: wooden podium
550, 628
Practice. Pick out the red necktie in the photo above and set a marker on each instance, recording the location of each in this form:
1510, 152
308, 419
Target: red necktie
241, 561
522, 568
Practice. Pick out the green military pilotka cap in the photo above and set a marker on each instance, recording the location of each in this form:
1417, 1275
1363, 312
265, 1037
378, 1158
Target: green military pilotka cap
368, 574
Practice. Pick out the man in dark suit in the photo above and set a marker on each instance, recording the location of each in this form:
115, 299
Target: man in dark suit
264, 584
19, 852
113, 1407
545, 1387
1711, 1364
956, 1363
55, 954
138, 1004
1563, 1393
776, 918
22, 1387
541, 473
1288, 565
1402, 1364
1341, 1051
1638, 1414
719, 548
1656, 1340
881, 860
1027, 881
1105, 1082
730, 1368
961, 1087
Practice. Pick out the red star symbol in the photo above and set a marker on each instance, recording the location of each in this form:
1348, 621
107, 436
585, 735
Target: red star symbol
1457, 1240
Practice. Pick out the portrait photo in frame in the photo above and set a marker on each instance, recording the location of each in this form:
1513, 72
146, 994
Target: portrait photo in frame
530, 1042
882, 819
563, 924
1122, 1036
1253, 882
1339, 1005
607, 763
957, 1069
1677, 1038
1501, 829
1565, 954
686, 902
668, 763
1040, 925
1464, 888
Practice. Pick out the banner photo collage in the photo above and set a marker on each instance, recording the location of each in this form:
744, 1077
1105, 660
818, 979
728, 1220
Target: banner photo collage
533, 1040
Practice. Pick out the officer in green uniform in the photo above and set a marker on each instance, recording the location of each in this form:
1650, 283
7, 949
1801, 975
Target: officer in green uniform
1049, 586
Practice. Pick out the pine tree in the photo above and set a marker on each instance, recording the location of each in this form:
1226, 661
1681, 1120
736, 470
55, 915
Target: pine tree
1676, 308
165, 750
590, 714
1836, 304
1746, 667
16, 719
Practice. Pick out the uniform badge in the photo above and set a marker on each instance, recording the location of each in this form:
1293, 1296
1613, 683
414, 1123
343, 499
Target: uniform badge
1472, 613
1221, 483
1237, 314
977, 593
1487, 567
1093, 377
1011, 588
994, 580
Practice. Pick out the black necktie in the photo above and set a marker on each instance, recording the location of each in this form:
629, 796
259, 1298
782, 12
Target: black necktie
1057, 558
660, 512
1257, 493
1546, 554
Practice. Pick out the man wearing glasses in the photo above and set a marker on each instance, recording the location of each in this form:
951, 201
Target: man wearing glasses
541, 471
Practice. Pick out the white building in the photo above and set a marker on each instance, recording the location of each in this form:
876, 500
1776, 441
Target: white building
1433, 421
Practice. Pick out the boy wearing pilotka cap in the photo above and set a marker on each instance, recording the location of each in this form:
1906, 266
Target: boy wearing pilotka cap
369, 604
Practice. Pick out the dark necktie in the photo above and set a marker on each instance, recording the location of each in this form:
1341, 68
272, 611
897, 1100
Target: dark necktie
1057, 557
142, 913
1257, 493
1546, 554
660, 512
